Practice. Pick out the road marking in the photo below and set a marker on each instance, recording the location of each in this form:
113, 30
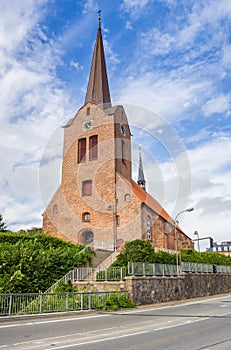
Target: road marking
52, 321
97, 341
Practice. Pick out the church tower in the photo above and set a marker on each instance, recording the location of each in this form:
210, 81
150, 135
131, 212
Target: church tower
97, 152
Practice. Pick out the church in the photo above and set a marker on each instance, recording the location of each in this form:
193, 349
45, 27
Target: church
98, 202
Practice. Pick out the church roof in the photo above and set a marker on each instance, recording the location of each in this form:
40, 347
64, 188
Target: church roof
98, 88
152, 203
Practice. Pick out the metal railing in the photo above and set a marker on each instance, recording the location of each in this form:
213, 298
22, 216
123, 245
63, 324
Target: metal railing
137, 269
150, 269
34, 303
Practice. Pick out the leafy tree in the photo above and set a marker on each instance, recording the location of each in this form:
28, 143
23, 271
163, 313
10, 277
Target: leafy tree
32, 263
135, 251
142, 251
3, 227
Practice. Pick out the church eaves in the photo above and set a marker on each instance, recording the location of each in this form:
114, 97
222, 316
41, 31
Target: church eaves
98, 88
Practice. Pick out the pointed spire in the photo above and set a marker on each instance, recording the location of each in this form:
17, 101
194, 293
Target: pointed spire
98, 88
141, 180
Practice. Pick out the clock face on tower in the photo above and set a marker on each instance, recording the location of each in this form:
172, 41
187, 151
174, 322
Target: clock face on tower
123, 129
88, 125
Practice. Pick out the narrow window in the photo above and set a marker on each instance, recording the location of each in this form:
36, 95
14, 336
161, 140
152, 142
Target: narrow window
88, 110
86, 217
87, 188
148, 228
93, 147
117, 220
127, 197
82, 150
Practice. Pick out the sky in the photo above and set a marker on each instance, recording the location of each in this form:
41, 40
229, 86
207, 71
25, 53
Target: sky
168, 63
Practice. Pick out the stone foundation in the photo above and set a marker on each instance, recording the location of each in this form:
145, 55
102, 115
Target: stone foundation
151, 290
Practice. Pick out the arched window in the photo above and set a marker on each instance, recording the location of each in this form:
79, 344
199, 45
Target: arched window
55, 208
148, 222
127, 197
86, 217
88, 110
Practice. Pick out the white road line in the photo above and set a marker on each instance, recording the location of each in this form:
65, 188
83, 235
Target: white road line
52, 321
96, 341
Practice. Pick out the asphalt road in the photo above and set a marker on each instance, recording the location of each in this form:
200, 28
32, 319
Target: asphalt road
195, 325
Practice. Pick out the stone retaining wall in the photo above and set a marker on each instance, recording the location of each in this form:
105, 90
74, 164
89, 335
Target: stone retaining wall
151, 290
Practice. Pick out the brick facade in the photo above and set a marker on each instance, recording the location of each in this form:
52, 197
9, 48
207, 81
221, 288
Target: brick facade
115, 213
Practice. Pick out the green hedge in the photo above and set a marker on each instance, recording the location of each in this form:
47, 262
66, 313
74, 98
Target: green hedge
32, 263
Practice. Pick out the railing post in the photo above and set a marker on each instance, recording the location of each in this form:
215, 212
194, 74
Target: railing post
10, 304
40, 303
105, 274
89, 301
143, 269
67, 299
133, 269
153, 269
81, 302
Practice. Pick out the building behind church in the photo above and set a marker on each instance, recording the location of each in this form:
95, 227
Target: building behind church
97, 201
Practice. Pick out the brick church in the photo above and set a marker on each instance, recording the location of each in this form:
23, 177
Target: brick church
97, 201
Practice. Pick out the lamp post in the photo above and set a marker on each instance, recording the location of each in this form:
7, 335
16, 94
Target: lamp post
112, 208
176, 222
198, 240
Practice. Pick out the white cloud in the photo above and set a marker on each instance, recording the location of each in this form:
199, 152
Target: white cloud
76, 65
90, 6
134, 7
218, 104
227, 56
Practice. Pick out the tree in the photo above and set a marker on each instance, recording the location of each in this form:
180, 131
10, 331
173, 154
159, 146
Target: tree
135, 251
3, 227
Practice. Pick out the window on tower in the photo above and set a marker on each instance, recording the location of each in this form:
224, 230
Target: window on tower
88, 110
93, 147
82, 150
86, 188
86, 217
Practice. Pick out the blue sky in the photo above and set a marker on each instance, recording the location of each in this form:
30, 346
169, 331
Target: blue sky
169, 63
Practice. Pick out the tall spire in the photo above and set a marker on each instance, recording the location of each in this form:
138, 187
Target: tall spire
141, 180
98, 88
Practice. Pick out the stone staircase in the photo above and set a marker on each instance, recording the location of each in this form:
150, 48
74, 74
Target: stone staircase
100, 256
101, 261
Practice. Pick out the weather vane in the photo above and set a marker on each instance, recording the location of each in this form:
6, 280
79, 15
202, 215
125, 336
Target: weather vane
99, 16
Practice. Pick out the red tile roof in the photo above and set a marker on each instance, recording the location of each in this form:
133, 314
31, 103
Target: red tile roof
147, 199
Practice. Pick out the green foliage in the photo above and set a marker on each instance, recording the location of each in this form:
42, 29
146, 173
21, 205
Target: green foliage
32, 263
3, 227
142, 251
64, 287
135, 251
115, 302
